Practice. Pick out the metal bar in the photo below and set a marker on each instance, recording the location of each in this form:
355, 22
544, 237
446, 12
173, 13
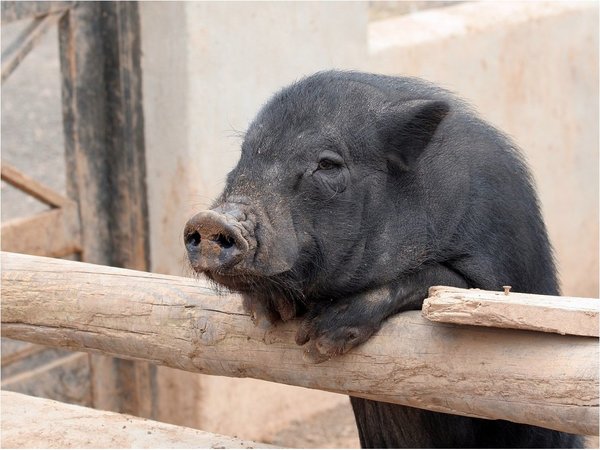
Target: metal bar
24, 183
53, 233
25, 41
13, 11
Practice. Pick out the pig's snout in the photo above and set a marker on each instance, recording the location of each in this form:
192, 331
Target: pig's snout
214, 241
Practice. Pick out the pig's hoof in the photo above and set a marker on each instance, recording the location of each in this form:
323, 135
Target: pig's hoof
312, 355
324, 338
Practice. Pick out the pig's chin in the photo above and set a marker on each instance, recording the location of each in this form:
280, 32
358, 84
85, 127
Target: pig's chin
237, 282
257, 283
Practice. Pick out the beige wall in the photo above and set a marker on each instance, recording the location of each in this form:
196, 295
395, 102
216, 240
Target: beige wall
208, 67
529, 68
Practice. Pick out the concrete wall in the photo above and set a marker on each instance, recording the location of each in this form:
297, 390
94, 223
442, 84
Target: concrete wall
208, 67
529, 68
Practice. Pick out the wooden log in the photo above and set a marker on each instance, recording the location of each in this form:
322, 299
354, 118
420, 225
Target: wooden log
551, 314
31, 422
536, 378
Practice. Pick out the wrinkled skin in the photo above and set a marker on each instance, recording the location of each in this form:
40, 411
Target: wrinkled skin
355, 193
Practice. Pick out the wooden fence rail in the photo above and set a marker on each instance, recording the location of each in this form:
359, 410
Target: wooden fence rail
33, 422
530, 377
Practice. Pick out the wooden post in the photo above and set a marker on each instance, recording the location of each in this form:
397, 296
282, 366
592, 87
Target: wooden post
103, 123
542, 379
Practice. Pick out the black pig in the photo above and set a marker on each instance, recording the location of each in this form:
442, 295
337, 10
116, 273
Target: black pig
355, 193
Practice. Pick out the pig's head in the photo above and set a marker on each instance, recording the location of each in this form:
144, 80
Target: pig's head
327, 198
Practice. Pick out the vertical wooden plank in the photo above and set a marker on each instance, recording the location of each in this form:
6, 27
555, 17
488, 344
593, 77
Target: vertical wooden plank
103, 124
84, 122
128, 220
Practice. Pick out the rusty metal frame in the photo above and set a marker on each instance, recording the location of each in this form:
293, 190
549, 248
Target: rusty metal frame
105, 218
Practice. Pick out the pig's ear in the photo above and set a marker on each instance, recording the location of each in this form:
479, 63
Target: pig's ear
407, 129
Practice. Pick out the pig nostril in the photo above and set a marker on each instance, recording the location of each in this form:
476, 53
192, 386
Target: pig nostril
225, 241
193, 239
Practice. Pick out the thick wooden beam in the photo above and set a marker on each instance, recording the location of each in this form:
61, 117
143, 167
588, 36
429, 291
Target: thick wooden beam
537, 378
31, 422
103, 125
562, 315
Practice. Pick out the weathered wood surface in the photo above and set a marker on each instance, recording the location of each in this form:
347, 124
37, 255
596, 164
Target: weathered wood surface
53, 233
537, 378
20, 351
562, 315
103, 125
65, 378
24, 43
25, 183
19, 10
30, 422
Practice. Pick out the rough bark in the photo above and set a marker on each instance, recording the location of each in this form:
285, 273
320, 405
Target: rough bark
536, 378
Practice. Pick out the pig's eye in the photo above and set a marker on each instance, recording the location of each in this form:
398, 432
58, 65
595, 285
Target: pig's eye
326, 164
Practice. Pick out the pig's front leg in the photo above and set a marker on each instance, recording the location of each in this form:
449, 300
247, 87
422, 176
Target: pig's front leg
268, 309
333, 328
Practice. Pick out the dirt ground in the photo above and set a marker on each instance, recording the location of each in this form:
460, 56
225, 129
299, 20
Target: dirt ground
333, 428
